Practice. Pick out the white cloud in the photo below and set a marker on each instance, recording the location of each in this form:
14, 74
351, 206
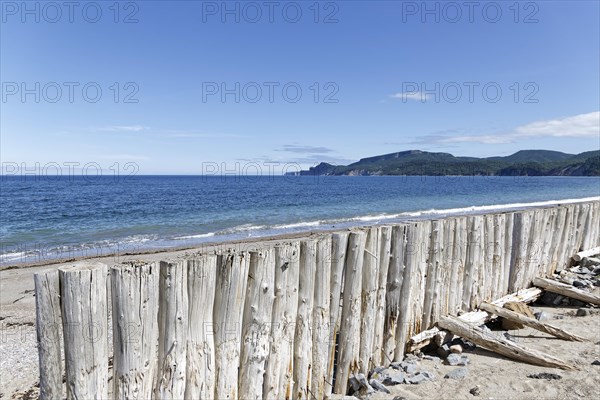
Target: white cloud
122, 128
578, 126
415, 96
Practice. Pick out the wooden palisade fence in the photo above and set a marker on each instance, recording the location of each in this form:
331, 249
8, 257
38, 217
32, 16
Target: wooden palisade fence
290, 321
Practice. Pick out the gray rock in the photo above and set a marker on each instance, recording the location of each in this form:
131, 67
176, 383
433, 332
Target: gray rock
358, 382
545, 375
577, 303
457, 359
583, 312
399, 398
458, 373
394, 378
408, 367
543, 316
580, 284
548, 298
428, 375
508, 336
431, 358
596, 362
417, 379
380, 387
589, 262
596, 271
475, 391
396, 365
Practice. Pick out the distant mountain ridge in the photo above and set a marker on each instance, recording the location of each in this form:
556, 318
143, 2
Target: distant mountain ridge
417, 162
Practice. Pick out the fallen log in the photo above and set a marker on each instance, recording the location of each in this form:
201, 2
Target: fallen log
566, 290
531, 322
500, 345
586, 253
475, 317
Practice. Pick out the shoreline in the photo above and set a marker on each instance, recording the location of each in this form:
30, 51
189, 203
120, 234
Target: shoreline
270, 239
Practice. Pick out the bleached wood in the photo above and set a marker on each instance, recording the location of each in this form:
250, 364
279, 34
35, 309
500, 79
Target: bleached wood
501, 345
452, 252
385, 243
321, 340
48, 327
393, 291
370, 282
423, 243
497, 256
461, 238
407, 252
534, 247
85, 319
304, 320
557, 232
566, 290
348, 361
339, 244
273, 365
475, 317
173, 317
586, 253
487, 251
565, 244
531, 322
519, 235
472, 262
256, 326
230, 291
508, 249
201, 368
432, 278
134, 288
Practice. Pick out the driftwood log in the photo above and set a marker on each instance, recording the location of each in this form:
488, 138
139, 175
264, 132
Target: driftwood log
566, 290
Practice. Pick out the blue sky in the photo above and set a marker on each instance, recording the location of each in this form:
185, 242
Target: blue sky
376, 77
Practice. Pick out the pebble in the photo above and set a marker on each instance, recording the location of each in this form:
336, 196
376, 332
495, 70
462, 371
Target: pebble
408, 367
475, 391
596, 362
458, 373
542, 316
456, 359
545, 375
590, 262
456, 349
428, 375
394, 378
380, 387
508, 336
431, 358
417, 379
579, 284
583, 312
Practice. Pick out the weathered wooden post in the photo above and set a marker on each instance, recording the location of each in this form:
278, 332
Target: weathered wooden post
385, 234
135, 329
394, 279
408, 253
230, 291
278, 376
173, 330
200, 350
370, 281
85, 320
256, 327
49, 334
304, 324
349, 359
339, 244
321, 340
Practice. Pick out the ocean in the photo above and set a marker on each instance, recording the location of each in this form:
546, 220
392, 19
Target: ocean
44, 218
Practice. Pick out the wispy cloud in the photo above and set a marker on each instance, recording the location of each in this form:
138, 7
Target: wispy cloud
578, 126
305, 149
197, 134
122, 128
415, 96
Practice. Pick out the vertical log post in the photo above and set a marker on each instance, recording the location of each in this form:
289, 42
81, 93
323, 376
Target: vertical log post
348, 361
303, 338
173, 330
134, 289
370, 281
230, 291
321, 341
48, 327
85, 318
385, 234
256, 326
201, 282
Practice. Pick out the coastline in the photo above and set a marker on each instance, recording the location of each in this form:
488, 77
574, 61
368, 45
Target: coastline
151, 254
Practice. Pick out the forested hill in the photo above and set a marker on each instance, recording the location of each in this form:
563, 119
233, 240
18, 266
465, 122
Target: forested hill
417, 162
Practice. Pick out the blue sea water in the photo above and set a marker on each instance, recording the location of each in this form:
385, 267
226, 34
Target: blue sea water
55, 217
